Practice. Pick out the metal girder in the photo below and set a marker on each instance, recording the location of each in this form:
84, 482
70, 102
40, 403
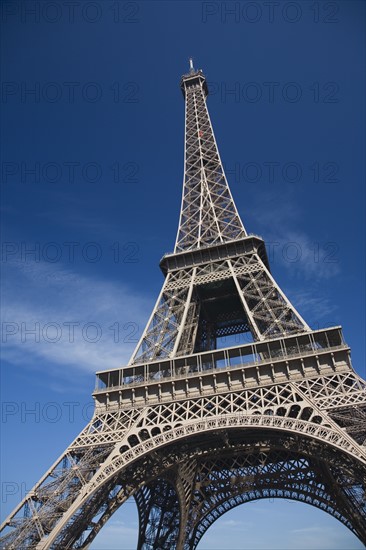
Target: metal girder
190, 431
179, 319
208, 212
159, 514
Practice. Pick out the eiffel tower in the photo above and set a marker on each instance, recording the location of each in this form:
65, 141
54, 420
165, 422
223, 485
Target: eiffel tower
191, 430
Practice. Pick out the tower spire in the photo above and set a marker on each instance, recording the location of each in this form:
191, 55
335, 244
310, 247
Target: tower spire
208, 213
191, 67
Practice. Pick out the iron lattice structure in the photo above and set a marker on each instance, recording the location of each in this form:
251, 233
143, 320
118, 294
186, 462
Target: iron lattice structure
190, 430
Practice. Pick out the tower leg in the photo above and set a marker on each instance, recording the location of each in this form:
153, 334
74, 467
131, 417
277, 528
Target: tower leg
159, 516
163, 508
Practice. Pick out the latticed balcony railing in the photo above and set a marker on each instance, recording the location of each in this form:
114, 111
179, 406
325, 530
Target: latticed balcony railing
256, 353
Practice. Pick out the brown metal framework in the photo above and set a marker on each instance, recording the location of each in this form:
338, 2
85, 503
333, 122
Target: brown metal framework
191, 431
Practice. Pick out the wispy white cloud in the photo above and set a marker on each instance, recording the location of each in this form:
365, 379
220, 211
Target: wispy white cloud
288, 245
317, 537
271, 212
288, 526
311, 260
78, 322
320, 310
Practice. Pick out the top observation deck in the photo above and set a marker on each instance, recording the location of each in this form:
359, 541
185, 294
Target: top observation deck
193, 78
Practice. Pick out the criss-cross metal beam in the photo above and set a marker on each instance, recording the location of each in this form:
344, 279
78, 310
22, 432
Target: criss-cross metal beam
190, 430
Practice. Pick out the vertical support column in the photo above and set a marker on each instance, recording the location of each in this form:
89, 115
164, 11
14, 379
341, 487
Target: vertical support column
163, 508
185, 481
159, 516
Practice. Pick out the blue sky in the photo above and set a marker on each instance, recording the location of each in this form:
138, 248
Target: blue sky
103, 134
